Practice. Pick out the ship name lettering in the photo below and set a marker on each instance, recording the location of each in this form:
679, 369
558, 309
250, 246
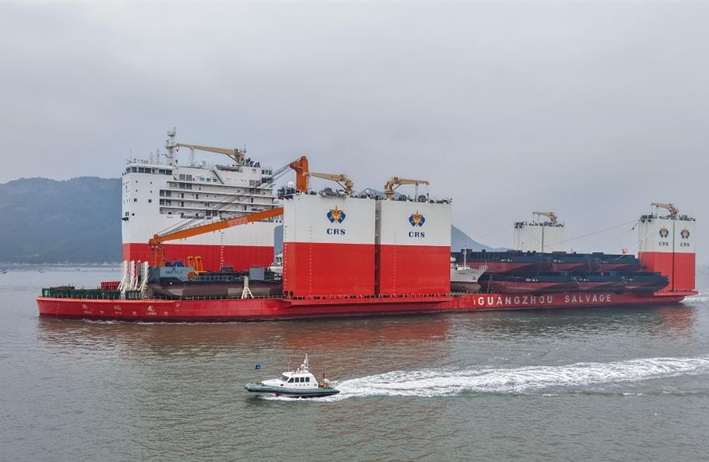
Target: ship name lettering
417, 234
335, 232
588, 298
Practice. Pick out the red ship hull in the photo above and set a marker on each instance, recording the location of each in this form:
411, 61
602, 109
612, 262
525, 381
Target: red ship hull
265, 309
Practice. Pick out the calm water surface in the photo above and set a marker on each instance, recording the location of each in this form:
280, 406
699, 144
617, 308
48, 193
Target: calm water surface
594, 385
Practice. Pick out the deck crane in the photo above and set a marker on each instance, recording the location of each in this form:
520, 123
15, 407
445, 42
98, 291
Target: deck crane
550, 215
341, 179
395, 182
237, 155
674, 211
303, 174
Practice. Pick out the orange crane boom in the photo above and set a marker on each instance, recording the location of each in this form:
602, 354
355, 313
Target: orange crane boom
159, 251
302, 174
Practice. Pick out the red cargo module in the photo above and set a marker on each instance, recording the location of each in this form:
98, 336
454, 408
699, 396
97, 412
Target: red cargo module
413, 247
667, 246
328, 246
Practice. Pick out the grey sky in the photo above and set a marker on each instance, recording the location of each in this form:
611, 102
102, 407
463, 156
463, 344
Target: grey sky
590, 110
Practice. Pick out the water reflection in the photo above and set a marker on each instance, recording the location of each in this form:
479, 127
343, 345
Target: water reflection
358, 334
204, 339
669, 320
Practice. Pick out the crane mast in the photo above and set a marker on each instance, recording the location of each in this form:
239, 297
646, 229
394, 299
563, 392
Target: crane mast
301, 174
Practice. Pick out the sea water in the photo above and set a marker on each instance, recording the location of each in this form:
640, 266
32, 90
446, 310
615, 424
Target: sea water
601, 384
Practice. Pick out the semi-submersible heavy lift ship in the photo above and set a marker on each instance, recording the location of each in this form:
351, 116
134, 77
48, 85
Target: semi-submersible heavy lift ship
344, 254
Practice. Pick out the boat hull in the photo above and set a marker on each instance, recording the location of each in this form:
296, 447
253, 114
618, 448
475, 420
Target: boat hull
299, 393
265, 309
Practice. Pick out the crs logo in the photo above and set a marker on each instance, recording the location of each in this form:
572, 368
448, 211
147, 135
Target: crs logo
684, 233
336, 215
416, 219
664, 232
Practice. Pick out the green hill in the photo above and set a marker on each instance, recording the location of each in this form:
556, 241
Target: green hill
49, 221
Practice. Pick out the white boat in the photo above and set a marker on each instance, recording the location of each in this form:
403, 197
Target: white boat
465, 278
299, 383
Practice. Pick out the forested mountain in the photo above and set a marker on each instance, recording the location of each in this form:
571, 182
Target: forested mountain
49, 221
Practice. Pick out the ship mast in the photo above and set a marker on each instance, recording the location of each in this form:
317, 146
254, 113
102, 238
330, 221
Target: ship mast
170, 146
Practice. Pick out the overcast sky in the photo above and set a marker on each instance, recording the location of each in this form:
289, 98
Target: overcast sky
590, 110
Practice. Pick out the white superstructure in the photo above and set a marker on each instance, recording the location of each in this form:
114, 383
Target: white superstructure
159, 195
535, 236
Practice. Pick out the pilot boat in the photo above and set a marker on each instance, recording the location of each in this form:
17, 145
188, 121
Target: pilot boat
298, 383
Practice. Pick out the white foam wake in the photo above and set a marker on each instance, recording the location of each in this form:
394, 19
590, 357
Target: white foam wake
447, 382
702, 297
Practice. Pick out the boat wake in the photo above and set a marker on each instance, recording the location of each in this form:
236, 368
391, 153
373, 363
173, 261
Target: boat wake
545, 379
702, 297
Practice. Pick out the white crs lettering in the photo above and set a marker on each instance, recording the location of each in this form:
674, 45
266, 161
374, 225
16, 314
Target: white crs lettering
417, 234
335, 231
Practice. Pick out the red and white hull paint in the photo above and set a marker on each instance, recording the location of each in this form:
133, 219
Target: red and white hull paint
413, 248
667, 246
270, 309
328, 246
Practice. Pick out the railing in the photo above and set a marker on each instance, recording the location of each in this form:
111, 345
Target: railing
89, 294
